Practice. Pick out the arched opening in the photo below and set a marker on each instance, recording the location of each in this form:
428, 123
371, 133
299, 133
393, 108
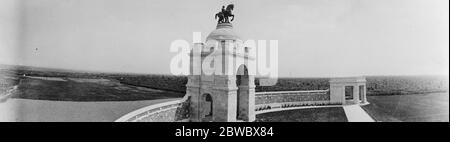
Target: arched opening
242, 83
207, 107
349, 92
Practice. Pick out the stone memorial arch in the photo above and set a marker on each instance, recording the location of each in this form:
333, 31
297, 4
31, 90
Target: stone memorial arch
220, 86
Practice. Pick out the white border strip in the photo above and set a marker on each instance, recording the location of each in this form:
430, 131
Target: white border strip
292, 108
288, 92
303, 107
132, 114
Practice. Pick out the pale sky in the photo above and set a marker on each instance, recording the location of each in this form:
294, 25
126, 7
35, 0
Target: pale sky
317, 38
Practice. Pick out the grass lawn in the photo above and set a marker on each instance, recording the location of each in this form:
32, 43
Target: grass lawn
27, 110
332, 114
73, 89
410, 108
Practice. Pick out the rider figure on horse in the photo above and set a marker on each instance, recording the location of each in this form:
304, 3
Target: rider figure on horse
222, 14
225, 13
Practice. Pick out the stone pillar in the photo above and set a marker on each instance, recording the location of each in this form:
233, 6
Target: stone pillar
194, 105
356, 93
246, 103
251, 99
364, 99
193, 90
225, 101
231, 105
224, 109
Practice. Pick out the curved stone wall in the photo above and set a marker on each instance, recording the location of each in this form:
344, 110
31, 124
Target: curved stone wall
173, 111
178, 111
289, 99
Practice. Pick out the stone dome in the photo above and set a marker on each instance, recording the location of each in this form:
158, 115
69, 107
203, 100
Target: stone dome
223, 31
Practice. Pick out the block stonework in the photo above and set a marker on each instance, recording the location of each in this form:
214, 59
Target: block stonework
230, 101
279, 97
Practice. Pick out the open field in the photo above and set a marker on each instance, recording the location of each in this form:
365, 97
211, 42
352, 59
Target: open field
76, 89
39, 84
392, 98
330, 114
26, 110
118, 85
429, 107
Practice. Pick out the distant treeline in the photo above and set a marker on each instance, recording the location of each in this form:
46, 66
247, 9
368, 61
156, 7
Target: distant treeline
376, 85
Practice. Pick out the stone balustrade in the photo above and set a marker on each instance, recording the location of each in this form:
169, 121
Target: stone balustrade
289, 99
172, 111
178, 110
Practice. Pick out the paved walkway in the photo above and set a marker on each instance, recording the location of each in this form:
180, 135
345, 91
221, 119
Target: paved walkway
356, 114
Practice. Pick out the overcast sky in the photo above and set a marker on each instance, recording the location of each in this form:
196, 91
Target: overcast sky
317, 38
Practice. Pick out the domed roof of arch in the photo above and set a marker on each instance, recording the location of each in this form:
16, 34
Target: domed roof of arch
223, 31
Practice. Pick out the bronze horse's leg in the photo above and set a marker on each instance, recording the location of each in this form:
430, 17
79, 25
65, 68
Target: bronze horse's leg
218, 15
224, 18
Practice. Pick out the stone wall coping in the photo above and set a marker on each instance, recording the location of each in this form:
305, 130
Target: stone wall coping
360, 79
132, 114
293, 108
290, 92
227, 53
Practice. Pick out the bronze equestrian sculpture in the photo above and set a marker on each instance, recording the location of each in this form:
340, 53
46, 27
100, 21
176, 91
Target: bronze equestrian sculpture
225, 14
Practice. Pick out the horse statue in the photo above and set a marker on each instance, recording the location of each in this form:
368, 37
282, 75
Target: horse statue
225, 14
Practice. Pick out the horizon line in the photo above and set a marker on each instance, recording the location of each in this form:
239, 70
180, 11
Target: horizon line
140, 73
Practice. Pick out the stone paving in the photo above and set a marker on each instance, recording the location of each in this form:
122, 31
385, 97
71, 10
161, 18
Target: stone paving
355, 113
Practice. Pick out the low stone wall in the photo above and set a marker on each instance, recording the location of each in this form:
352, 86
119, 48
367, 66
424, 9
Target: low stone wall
178, 111
288, 99
173, 111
